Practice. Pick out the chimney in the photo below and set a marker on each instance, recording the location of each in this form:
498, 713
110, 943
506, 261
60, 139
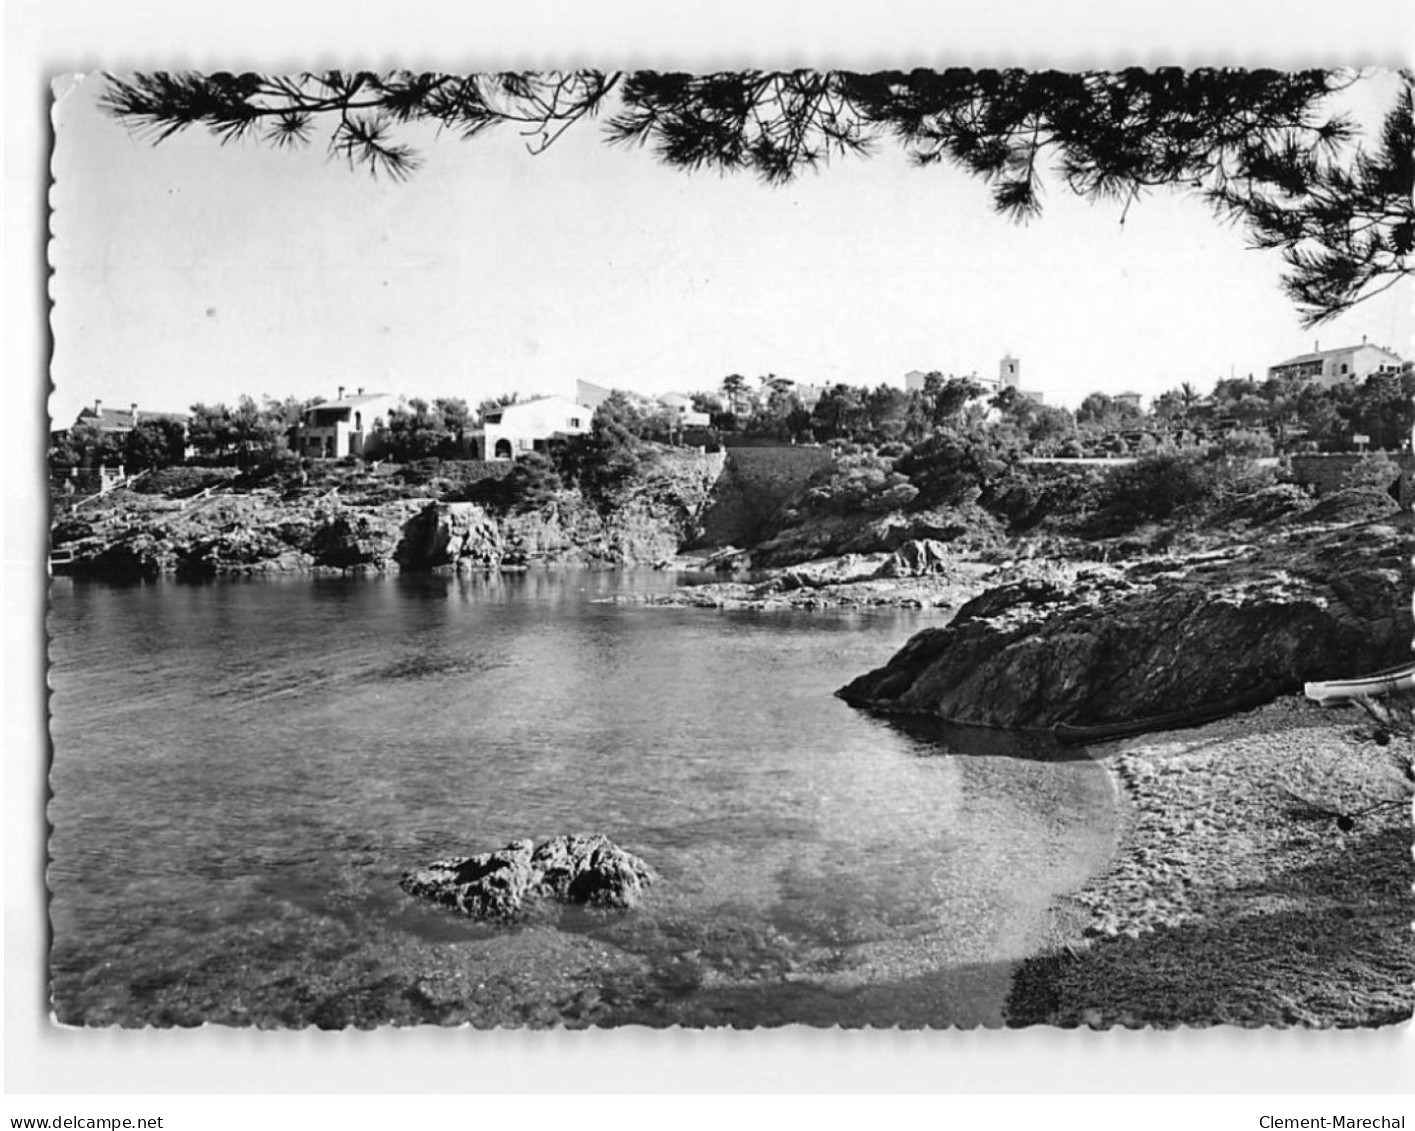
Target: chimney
1363, 339
133, 412
97, 408
361, 390
340, 397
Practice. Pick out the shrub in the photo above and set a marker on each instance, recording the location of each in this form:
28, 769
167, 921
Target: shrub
180, 481
952, 467
1155, 486
530, 484
859, 479
1376, 469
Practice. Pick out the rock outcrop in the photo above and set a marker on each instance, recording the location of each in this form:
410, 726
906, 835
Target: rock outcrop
1117, 644
502, 885
917, 558
455, 535
132, 535
966, 528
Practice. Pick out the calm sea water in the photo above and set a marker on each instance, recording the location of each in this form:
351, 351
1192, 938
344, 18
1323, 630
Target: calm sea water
243, 769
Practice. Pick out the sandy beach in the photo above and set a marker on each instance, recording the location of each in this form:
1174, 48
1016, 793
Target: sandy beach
1237, 894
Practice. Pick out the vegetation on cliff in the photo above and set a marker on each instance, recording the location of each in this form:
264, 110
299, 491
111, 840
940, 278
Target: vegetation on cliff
352, 516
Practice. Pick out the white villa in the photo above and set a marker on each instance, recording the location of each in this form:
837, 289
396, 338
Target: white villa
343, 426
528, 426
1336, 367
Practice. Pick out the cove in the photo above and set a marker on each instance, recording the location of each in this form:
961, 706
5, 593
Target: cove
242, 769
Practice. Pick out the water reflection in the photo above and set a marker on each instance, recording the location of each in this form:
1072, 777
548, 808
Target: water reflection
242, 771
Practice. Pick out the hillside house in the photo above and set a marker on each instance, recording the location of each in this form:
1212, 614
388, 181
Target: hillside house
1330, 368
680, 410
345, 425
120, 421
591, 395
116, 423
528, 426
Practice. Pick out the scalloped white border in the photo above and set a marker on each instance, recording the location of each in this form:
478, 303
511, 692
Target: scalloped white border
47, 38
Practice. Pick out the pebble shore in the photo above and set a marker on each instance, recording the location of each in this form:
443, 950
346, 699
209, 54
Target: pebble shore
1238, 893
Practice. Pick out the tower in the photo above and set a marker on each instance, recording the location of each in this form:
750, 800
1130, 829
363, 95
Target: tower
1009, 372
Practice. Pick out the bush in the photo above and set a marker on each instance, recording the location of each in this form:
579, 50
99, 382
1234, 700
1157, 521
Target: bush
859, 480
530, 484
1155, 486
420, 471
1376, 469
177, 482
952, 467
1026, 498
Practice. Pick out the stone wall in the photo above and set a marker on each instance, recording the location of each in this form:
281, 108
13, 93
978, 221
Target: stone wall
755, 483
1324, 472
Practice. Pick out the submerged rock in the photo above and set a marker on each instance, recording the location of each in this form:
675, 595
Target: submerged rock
584, 869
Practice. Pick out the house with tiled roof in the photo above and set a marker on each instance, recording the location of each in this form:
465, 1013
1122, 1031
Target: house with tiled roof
121, 420
1348, 364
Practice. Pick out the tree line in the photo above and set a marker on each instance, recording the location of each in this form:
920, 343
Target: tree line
1293, 414
1280, 414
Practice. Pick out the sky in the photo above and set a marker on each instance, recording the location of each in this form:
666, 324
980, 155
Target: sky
190, 271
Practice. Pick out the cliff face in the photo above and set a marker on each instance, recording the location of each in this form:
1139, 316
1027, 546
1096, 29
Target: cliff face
269, 531
568, 531
1118, 644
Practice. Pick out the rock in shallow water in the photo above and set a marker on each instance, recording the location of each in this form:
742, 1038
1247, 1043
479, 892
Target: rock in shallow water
586, 869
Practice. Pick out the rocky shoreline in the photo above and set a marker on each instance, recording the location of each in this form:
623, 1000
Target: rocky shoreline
1109, 644
273, 532
1238, 894
851, 581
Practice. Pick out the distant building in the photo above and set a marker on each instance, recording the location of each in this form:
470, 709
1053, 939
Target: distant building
915, 381
1009, 376
528, 426
345, 425
120, 421
1009, 373
1131, 399
591, 395
1339, 366
680, 409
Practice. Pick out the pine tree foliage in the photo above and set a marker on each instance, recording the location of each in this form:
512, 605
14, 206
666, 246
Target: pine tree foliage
1261, 147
